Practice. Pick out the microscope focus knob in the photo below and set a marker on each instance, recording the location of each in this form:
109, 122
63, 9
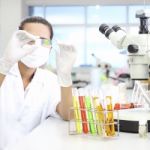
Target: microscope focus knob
133, 48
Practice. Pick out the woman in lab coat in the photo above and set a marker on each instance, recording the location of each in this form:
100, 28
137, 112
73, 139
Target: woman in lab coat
29, 94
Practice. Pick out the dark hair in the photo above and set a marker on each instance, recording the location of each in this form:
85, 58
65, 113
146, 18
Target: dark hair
36, 19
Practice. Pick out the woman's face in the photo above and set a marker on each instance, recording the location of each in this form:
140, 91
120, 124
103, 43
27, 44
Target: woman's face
40, 56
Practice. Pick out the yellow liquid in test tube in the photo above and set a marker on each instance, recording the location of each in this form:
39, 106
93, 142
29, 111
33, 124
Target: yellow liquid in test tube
77, 115
110, 128
99, 115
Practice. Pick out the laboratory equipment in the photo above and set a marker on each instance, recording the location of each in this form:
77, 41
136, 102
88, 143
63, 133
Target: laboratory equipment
83, 111
99, 115
77, 115
90, 116
138, 51
110, 128
143, 130
138, 45
95, 117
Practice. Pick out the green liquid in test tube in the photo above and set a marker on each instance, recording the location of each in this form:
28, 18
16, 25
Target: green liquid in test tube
90, 114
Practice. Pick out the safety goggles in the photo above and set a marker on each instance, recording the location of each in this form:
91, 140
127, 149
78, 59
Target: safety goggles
42, 42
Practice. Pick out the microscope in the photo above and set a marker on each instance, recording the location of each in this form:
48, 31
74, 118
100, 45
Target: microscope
137, 45
138, 51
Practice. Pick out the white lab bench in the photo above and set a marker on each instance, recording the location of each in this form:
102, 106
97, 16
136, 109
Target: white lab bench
53, 135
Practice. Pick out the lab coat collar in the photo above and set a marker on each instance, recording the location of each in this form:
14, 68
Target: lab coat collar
37, 76
36, 81
14, 70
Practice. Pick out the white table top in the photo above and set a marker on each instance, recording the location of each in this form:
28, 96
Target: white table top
53, 134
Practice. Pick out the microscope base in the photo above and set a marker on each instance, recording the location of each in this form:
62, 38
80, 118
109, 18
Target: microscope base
129, 119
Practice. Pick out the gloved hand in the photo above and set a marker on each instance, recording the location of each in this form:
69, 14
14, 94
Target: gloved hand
17, 48
65, 59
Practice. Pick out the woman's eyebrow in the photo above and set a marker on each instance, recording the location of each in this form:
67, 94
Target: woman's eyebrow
43, 38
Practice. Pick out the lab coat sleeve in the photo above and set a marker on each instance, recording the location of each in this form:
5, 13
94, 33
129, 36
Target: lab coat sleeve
6, 133
50, 110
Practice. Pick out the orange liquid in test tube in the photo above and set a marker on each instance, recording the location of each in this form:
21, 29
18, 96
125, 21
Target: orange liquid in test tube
83, 114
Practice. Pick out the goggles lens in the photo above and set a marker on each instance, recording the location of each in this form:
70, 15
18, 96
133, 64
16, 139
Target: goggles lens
46, 42
43, 42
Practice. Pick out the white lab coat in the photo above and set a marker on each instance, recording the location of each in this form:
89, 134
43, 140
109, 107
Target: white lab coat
22, 110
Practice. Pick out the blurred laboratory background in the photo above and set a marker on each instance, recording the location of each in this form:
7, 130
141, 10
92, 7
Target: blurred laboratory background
77, 22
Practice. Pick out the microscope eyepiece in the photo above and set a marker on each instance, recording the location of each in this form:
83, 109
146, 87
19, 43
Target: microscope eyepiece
116, 28
104, 29
108, 32
115, 34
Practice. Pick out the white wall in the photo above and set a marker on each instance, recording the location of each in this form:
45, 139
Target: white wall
10, 16
85, 2
0, 26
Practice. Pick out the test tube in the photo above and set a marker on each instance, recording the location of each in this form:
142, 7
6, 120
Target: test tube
77, 114
99, 114
110, 129
83, 111
90, 113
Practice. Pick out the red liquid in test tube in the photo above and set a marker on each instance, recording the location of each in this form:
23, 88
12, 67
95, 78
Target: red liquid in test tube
83, 114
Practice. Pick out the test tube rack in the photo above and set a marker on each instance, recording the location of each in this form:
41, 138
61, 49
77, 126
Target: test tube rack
94, 122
